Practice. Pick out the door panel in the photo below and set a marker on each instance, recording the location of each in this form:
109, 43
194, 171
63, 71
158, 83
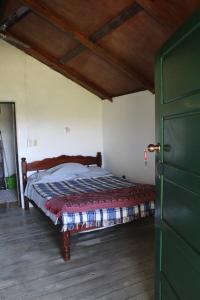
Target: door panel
181, 211
181, 135
181, 66
181, 177
178, 165
167, 291
179, 269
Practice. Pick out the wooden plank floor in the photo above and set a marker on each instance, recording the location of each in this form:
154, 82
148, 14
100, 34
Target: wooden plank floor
115, 263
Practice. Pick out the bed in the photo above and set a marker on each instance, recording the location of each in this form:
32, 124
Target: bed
76, 195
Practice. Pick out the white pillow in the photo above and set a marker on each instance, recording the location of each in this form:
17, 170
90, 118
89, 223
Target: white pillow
94, 172
35, 176
68, 171
69, 168
65, 171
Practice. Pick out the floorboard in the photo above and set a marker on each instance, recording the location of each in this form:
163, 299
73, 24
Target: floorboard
8, 196
115, 263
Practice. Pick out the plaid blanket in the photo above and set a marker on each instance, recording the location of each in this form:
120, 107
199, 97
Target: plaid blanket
78, 186
58, 192
107, 217
123, 197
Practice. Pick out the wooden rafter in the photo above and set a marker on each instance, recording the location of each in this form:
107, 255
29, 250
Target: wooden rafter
67, 71
14, 18
117, 21
62, 24
131, 92
73, 53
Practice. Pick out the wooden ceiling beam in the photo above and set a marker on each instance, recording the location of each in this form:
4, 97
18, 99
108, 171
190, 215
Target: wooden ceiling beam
137, 90
67, 71
111, 25
71, 54
62, 24
14, 18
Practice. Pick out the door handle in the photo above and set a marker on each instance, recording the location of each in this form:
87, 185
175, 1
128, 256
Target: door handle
153, 148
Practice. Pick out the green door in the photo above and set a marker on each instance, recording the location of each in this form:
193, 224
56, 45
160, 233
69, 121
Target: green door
178, 165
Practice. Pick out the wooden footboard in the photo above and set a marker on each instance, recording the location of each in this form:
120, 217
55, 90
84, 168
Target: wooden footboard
46, 164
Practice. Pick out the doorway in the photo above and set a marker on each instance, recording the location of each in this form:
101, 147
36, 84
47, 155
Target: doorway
9, 171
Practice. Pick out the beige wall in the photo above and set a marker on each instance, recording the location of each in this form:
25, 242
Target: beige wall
47, 103
128, 127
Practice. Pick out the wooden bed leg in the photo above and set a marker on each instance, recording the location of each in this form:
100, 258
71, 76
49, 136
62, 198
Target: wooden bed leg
66, 245
26, 203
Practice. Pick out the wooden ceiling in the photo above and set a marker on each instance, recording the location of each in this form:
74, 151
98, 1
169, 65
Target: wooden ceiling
106, 46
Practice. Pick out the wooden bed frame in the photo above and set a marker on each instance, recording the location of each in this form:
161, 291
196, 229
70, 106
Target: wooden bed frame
49, 163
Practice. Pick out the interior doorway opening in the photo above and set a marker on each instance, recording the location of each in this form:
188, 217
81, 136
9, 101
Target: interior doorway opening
9, 171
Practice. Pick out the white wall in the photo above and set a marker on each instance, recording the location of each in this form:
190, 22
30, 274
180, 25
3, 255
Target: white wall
7, 131
46, 103
128, 127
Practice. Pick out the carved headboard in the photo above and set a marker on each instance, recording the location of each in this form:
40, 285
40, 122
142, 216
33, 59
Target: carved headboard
54, 161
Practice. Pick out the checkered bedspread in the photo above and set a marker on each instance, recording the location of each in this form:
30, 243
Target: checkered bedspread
98, 217
108, 216
81, 185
